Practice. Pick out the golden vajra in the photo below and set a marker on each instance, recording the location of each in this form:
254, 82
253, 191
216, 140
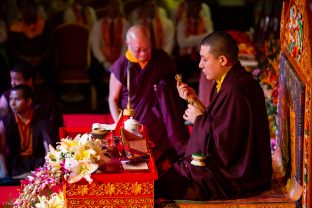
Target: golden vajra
193, 100
178, 77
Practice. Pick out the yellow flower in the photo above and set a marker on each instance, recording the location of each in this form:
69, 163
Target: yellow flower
55, 201
73, 159
54, 158
83, 154
53, 154
66, 145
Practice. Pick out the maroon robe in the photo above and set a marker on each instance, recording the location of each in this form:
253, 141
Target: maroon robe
156, 102
41, 131
234, 134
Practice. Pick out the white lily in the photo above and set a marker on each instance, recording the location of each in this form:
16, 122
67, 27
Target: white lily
80, 169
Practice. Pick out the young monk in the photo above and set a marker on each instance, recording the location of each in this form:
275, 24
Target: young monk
231, 135
25, 134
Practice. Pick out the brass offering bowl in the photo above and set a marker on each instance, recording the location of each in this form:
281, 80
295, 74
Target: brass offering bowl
99, 133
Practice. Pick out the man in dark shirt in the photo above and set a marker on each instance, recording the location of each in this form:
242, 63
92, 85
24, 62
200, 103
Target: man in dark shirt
23, 73
24, 135
231, 134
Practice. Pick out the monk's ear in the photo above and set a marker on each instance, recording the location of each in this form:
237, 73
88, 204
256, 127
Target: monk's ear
29, 101
223, 60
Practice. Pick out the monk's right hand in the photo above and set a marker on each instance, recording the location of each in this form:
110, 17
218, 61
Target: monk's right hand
191, 113
185, 91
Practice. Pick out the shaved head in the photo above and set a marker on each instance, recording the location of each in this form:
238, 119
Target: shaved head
138, 32
139, 43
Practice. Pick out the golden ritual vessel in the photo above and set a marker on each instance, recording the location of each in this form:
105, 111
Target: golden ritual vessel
193, 100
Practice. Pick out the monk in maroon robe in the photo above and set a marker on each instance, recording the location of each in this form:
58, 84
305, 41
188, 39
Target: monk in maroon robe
232, 133
153, 94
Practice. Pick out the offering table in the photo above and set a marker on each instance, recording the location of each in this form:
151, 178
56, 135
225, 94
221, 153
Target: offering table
115, 187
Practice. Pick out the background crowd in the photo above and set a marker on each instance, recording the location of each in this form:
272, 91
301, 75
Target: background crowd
28, 28
30, 34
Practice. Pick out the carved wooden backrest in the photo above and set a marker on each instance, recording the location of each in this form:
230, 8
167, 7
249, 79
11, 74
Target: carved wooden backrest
295, 106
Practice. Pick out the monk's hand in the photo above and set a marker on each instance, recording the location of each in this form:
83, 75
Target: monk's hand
191, 113
185, 91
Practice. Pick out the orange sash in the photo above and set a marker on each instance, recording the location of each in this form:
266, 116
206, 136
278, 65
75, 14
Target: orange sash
157, 25
30, 31
80, 15
180, 11
192, 30
112, 52
158, 29
190, 26
25, 131
131, 58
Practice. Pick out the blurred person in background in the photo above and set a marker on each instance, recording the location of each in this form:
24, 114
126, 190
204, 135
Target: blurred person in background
192, 27
29, 40
23, 73
80, 12
25, 135
161, 27
107, 39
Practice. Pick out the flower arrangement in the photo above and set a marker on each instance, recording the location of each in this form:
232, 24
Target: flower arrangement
267, 74
72, 160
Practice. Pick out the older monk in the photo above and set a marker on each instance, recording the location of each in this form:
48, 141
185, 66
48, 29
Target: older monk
153, 96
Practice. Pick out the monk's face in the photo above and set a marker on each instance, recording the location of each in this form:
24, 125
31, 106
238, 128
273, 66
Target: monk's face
210, 65
17, 78
140, 48
18, 103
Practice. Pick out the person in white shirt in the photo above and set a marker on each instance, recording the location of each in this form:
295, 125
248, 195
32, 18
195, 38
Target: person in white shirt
107, 43
80, 13
161, 28
192, 27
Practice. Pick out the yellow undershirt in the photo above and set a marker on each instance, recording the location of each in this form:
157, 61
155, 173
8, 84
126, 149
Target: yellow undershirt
131, 58
219, 83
